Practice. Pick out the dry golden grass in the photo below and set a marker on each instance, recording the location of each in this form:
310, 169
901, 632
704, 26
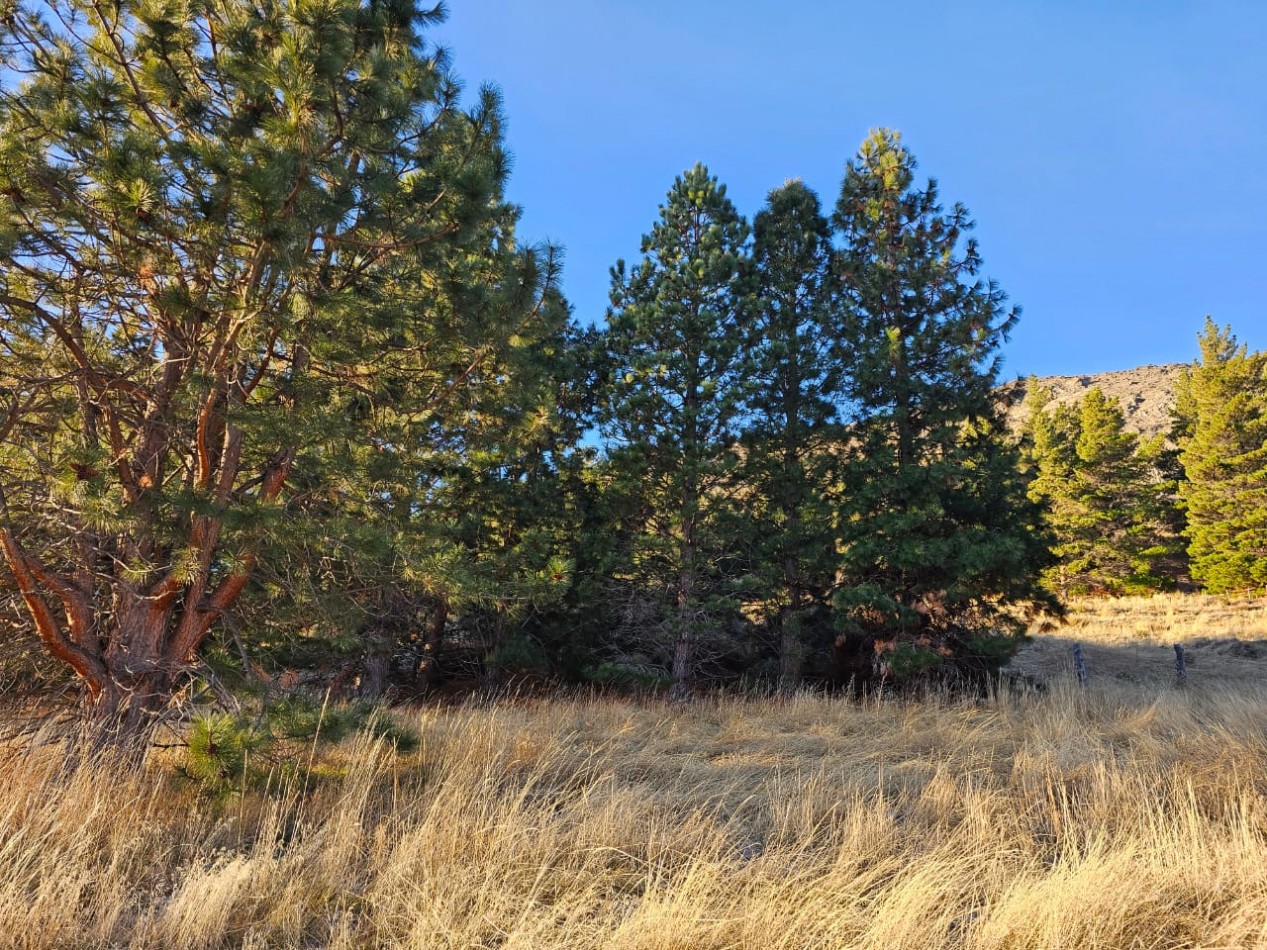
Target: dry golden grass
1129, 814
1131, 640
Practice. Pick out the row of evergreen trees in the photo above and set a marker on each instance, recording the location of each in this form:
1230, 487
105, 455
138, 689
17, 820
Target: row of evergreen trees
806, 415
281, 387
1190, 505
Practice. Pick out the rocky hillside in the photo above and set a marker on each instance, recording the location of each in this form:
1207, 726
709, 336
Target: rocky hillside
1146, 394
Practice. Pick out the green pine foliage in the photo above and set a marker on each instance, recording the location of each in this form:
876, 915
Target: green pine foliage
263, 295
939, 541
798, 361
470, 531
1107, 498
676, 341
228, 751
220, 748
1221, 428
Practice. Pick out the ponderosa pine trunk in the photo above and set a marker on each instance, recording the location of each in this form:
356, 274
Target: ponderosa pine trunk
432, 641
131, 644
686, 619
131, 664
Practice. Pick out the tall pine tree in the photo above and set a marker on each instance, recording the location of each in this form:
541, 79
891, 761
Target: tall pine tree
676, 332
229, 242
1221, 427
938, 537
798, 363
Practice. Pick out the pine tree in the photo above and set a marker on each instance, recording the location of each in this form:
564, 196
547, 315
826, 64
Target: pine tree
1221, 427
1106, 498
938, 537
1048, 435
236, 245
474, 500
508, 498
676, 333
798, 362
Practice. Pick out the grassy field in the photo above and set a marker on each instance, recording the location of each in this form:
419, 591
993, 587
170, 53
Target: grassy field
1129, 814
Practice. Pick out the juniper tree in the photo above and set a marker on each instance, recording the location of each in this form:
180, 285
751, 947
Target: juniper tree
1221, 427
798, 361
937, 534
229, 241
676, 332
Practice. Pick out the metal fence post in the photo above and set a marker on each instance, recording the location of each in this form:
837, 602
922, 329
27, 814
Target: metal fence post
1080, 664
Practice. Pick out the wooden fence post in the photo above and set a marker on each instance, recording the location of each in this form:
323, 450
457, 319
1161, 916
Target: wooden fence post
1181, 665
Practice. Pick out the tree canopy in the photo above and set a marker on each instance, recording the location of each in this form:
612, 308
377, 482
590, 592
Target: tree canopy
676, 337
1108, 497
936, 533
252, 255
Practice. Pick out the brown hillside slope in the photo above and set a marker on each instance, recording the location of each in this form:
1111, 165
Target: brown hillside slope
1145, 393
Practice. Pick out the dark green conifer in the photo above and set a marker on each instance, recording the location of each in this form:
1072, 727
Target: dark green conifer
798, 361
938, 537
1106, 498
677, 329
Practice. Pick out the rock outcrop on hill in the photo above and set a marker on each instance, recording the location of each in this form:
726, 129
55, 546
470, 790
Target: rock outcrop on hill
1145, 393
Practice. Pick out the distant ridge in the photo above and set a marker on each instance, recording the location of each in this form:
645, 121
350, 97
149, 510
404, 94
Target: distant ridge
1146, 395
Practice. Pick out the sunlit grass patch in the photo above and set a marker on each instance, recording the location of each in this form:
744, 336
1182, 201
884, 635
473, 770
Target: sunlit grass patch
1128, 813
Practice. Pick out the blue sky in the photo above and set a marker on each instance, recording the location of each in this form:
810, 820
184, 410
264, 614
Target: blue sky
1114, 153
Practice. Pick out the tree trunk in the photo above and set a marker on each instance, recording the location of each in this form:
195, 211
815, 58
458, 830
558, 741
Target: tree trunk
127, 710
433, 640
375, 668
790, 651
130, 643
130, 661
141, 674
683, 661
685, 621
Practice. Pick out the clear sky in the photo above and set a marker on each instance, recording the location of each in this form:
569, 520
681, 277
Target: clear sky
1113, 152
